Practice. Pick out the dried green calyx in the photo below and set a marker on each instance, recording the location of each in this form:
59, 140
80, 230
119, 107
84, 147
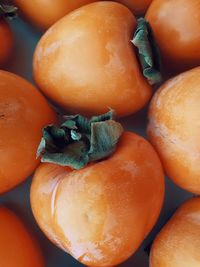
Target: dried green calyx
79, 140
149, 55
8, 11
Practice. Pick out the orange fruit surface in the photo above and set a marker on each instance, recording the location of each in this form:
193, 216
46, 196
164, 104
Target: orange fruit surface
44, 13
101, 213
6, 44
17, 246
86, 62
138, 7
175, 25
174, 128
178, 242
23, 113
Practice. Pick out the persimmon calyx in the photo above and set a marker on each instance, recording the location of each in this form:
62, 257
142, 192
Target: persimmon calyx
79, 140
8, 11
148, 52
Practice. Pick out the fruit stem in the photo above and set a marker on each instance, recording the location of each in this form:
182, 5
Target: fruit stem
79, 140
8, 11
148, 52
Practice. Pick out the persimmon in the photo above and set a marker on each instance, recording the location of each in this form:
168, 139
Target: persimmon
178, 242
6, 35
111, 204
175, 25
44, 13
138, 7
17, 246
23, 114
174, 128
86, 62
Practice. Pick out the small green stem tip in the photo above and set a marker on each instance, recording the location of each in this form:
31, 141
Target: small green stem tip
8, 11
148, 52
79, 140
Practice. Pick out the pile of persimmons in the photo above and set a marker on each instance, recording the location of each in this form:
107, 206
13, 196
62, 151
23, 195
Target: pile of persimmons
97, 190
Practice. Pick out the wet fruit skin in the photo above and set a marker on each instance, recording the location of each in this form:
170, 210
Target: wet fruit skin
86, 62
6, 44
107, 206
178, 242
44, 13
175, 25
23, 114
17, 246
174, 128
138, 7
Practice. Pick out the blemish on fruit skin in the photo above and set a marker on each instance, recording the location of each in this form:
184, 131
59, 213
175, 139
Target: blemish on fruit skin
194, 217
170, 141
86, 251
159, 96
128, 166
161, 130
76, 14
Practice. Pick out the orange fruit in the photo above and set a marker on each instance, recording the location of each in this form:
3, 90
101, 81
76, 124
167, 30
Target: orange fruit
175, 25
107, 206
174, 128
17, 246
44, 13
86, 62
6, 44
138, 7
178, 242
23, 113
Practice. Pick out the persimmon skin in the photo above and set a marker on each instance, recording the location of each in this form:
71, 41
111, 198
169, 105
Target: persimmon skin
6, 44
138, 7
175, 25
105, 207
174, 128
44, 13
178, 242
17, 246
86, 62
23, 114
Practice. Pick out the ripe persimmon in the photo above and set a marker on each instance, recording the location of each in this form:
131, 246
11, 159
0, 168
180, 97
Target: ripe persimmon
17, 246
23, 114
174, 128
86, 62
138, 7
107, 206
6, 35
177, 244
175, 25
6, 44
44, 13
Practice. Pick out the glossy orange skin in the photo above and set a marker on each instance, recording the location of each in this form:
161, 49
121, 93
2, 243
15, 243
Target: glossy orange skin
178, 242
86, 62
176, 26
6, 44
174, 128
23, 114
138, 7
44, 13
105, 207
17, 246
